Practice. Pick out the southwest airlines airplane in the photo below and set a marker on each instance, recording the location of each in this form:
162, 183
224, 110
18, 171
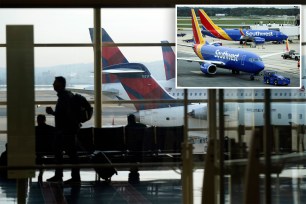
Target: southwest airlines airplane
259, 36
212, 56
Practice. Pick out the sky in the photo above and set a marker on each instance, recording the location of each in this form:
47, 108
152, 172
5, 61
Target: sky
71, 26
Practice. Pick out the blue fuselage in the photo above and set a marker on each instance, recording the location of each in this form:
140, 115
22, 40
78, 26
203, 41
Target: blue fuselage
235, 34
233, 59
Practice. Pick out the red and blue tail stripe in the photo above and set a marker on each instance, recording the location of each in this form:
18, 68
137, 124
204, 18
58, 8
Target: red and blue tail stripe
110, 56
141, 86
169, 61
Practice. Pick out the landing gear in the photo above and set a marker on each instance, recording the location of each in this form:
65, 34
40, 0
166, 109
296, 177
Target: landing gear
235, 72
256, 76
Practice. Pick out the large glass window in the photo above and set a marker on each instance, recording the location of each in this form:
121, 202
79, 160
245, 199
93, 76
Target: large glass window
62, 48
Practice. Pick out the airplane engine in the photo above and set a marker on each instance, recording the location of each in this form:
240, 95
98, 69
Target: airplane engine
208, 68
259, 40
199, 113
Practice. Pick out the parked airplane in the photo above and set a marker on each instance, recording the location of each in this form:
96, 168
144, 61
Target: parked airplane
181, 34
224, 57
246, 38
140, 85
211, 29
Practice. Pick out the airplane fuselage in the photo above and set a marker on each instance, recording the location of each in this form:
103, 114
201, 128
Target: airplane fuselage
233, 59
235, 34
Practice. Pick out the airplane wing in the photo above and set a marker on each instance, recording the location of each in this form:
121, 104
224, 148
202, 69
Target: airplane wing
219, 63
84, 91
110, 93
121, 70
185, 45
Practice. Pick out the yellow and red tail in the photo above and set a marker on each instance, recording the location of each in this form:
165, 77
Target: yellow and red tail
197, 35
212, 27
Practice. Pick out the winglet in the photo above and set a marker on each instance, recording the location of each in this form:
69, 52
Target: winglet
212, 27
198, 38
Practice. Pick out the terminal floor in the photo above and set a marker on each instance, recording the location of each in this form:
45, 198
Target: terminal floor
288, 187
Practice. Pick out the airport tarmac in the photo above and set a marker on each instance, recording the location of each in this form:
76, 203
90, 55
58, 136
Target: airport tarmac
189, 74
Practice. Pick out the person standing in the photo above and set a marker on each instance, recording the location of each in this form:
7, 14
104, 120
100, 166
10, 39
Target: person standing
67, 126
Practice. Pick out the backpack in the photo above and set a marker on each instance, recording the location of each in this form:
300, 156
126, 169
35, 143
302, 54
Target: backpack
82, 108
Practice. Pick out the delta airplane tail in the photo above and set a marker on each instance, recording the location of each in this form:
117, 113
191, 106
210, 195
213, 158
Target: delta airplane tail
140, 85
169, 61
211, 27
110, 55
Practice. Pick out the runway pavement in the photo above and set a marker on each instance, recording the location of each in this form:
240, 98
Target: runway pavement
190, 76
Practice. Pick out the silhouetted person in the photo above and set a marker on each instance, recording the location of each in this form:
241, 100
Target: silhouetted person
67, 126
3, 162
131, 128
45, 135
131, 119
45, 140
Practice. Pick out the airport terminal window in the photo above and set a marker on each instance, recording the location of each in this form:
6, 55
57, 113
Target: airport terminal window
129, 25
64, 25
116, 116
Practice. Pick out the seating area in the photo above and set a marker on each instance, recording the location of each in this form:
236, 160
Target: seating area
126, 145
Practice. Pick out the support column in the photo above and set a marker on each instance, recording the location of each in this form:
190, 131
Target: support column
187, 158
209, 187
97, 67
20, 104
267, 146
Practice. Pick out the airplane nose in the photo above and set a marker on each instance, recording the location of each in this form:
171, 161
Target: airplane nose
262, 66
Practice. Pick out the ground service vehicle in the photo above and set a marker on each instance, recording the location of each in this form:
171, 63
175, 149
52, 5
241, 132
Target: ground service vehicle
271, 77
292, 54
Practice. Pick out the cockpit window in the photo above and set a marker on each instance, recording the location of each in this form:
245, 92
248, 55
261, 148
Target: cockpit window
255, 59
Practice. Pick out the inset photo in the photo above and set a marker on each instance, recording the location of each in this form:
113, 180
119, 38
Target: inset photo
238, 46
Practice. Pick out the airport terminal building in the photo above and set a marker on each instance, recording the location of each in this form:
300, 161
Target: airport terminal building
189, 145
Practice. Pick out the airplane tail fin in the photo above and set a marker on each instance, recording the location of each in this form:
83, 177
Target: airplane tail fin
139, 84
110, 55
169, 61
197, 35
212, 27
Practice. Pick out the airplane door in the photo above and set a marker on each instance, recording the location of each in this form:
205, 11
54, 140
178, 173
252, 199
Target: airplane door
242, 60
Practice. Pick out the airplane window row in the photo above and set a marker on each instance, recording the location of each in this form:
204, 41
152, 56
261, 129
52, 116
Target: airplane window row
279, 116
255, 59
246, 94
